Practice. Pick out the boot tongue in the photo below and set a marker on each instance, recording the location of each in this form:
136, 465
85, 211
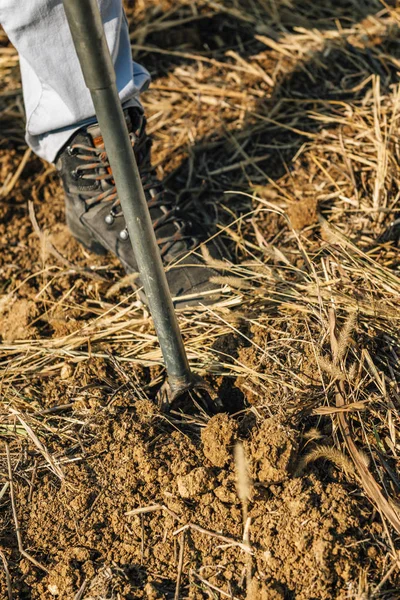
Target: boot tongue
95, 135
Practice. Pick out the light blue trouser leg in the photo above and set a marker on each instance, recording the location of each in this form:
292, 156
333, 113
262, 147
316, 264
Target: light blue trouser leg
57, 101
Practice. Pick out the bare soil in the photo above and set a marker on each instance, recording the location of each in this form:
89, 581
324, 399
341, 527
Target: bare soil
308, 533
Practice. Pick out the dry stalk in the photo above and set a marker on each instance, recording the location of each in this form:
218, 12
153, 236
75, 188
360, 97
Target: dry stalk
7, 574
142, 539
234, 282
212, 587
371, 487
243, 486
218, 536
180, 566
4, 191
388, 574
152, 508
81, 591
332, 410
15, 517
56, 469
4, 489
193, 526
123, 282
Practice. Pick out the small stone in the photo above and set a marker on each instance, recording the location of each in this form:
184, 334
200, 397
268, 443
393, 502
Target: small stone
226, 495
152, 593
66, 371
199, 481
53, 589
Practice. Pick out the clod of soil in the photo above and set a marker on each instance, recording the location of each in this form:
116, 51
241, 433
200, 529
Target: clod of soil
272, 448
261, 591
14, 322
197, 482
217, 438
303, 213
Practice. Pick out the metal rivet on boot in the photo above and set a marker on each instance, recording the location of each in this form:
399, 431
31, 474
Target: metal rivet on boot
124, 235
109, 219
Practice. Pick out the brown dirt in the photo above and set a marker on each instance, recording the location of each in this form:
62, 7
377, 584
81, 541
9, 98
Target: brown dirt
15, 319
272, 450
305, 532
218, 438
303, 213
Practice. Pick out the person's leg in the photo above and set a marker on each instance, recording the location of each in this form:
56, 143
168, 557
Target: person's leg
62, 128
56, 99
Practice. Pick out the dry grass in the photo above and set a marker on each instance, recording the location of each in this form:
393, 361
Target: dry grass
282, 119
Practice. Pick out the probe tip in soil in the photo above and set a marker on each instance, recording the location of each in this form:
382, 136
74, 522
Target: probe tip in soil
200, 392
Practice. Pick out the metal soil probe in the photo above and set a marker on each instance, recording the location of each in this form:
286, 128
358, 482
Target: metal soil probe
94, 56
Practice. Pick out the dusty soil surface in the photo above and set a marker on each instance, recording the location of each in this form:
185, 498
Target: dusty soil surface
280, 120
309, 534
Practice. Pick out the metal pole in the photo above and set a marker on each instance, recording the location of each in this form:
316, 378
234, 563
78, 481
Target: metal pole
98, 71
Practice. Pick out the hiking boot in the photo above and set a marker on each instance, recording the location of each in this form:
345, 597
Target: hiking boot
95, 218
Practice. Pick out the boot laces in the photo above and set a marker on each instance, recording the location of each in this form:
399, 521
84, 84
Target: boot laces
96, 167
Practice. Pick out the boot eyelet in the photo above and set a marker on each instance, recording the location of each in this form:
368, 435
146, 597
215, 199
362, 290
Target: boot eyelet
109, 219
124, 235
71, 151
75, 175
